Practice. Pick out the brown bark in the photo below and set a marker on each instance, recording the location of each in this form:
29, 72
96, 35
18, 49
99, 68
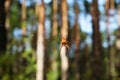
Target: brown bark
54, 63
40, 44
64, 31
37, 9
77, 44
97, 65
109, 5
54, 17
24, 17
7, 5
64, 42
117, 56
86, 59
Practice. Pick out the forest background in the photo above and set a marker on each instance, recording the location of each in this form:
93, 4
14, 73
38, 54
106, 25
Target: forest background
60, 39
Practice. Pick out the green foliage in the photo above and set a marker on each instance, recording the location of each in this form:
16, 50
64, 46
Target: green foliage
87, 6
54, 72
26, 69
14, 16
83, 36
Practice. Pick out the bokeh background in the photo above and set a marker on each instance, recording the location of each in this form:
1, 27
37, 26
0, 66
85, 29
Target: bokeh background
93, 41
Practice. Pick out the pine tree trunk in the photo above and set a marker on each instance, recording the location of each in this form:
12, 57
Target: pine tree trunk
40, 44
86, 60
107, 7
110, 5
77, 44
54, 17
7, 5
54, 41
118, 44
36, 9
23, 17
97, 65
3, 33
63, 49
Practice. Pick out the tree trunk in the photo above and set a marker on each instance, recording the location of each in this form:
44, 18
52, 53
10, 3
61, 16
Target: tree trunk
64, 42
118, 44
97, 65
36, 9
109, 4
54, 41
40, 44
107, 7
23, 17
86, 61
7, 5
112, 4
77, 44
3, 33
54, 17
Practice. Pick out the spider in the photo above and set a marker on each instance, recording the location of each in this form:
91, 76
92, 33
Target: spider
64, 42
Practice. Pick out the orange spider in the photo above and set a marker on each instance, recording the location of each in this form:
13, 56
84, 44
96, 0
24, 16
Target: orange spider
64, 42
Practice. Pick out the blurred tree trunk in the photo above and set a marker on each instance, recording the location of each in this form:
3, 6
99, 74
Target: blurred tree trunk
86, 62
36, 9
64, 42
54, 41
109, 5
97, 65
118, 44
23, 17
3, 33
7, 5
40, 44
54, 17
77, 44
118, 31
